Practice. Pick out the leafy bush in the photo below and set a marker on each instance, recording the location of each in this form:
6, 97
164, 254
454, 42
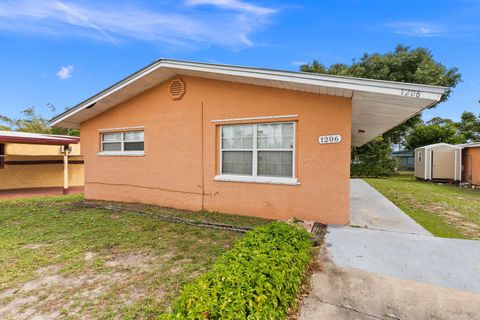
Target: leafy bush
259, 278
373, 160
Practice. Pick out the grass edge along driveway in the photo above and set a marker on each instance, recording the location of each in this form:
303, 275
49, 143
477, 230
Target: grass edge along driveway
444, 210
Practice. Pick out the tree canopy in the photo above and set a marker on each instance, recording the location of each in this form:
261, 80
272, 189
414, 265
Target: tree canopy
30, 121
404, 65
445, 130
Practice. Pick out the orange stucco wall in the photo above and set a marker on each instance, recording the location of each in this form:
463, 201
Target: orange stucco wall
182, 152
471, 165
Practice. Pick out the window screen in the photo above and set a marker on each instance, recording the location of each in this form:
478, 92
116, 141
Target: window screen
258, 149
237, 149
123, 141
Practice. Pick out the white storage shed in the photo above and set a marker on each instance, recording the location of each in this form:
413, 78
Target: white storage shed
440, 161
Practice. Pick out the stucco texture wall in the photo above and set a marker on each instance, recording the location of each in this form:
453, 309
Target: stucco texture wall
182, 152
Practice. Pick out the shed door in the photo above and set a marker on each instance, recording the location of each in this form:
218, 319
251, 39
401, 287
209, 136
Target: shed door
467, 168
443, 164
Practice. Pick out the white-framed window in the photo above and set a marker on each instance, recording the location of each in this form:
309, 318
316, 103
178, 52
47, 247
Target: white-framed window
419, 156
122, 143
259, 152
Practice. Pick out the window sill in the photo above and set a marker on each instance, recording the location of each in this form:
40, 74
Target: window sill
121, 153
263, 180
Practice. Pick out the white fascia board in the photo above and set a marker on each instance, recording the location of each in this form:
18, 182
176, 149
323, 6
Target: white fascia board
103, 94
355, 84
247, 71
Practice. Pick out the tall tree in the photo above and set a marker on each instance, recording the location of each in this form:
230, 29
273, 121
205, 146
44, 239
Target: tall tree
404, 65
435, 131
30, 121
469, 126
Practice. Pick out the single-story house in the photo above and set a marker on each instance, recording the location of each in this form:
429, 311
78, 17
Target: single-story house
405, 158
439, 161
32, 161
471, 163
238, 140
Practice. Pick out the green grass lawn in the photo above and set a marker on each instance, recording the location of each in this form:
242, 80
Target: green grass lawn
63, 261
444, 210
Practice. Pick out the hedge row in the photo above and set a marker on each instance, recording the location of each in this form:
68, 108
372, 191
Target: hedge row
259, 278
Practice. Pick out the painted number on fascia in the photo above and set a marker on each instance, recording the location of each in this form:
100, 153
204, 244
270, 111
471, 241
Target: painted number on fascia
411, 93
336, 138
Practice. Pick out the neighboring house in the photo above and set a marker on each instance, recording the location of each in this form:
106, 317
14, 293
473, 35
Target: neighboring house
471, 163
36, 162
249, 141
405, 158
440, 161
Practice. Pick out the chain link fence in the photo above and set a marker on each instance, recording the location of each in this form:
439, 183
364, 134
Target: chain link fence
26, 177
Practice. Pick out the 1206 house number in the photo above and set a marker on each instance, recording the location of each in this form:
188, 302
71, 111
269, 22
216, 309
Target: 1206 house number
411, 93
335, 138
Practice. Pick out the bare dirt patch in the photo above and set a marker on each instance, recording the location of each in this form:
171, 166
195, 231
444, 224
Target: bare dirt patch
77, 295
131, 260
469, 229
34, 246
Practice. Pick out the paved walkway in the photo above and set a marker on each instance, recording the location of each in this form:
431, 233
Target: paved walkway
389, 242
451, 263
386, 266
370, 209
343, 293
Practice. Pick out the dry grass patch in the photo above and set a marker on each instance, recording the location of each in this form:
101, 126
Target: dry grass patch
444, 210
58, 261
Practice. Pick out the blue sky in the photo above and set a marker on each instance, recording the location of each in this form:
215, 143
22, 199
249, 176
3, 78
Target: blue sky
61, 52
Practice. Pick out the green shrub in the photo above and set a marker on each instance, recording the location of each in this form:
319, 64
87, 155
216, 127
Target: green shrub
259, 278
373, 160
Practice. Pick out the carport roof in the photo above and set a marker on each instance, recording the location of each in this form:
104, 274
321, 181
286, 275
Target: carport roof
36, 138
377, 105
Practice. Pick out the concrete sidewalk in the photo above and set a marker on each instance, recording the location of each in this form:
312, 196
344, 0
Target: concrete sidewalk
370, 209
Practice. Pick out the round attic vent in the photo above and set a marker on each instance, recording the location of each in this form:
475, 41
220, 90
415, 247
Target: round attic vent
177, 89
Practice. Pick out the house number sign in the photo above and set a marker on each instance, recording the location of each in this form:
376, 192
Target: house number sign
334, 138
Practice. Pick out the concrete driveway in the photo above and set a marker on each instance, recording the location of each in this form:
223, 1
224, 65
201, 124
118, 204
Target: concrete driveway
384, 240
386, 266
370, 209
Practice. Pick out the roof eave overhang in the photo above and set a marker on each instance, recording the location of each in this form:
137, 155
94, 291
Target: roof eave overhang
43, 141
360, 90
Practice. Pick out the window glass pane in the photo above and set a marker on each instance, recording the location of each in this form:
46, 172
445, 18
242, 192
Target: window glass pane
275, 136
133, 146
237, 137
114, 136
237, 162
112, 146
134, 136
275, 163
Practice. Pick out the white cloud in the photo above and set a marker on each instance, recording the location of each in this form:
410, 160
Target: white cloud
234, 5
65, 72
417, 29
180, 26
